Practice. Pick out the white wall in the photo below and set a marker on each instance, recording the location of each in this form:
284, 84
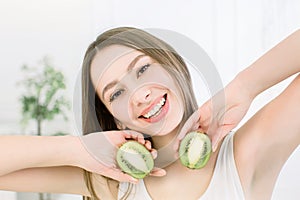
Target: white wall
31, 30
234, 33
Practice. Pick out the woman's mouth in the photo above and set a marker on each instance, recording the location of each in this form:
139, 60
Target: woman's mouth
157, 111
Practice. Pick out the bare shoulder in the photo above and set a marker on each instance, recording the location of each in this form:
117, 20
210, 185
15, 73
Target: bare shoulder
266, 141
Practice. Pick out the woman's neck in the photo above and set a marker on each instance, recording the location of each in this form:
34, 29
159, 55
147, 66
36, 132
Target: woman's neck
164, 146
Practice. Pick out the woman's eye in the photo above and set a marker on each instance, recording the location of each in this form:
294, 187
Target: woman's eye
115, 95
142, 70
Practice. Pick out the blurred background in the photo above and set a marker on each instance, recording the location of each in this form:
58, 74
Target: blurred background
233, 33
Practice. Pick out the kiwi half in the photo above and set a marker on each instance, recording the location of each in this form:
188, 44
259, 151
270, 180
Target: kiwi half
135, 159
195, 149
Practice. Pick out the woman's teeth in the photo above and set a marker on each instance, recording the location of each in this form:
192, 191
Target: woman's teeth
156, 109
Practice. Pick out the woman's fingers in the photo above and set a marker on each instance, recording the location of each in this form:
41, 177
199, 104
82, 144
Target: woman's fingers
215, 139
191, 124
114, 172
118, 175
148, 145
158, 172
219, 134
129, 134
153, 153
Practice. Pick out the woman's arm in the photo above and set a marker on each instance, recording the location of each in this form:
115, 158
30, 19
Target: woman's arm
279, 63
266, 141
65, 179
42, 164
217, 117
56, 163
94, 152
21, 152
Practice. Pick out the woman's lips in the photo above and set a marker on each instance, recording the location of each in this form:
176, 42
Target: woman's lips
154, 103
155, 117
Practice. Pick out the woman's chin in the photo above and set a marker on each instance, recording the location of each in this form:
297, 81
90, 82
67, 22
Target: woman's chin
165, 131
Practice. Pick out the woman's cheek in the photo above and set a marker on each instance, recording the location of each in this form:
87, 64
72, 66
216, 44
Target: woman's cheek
120, 110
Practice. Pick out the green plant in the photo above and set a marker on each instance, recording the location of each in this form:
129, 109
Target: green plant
43, 98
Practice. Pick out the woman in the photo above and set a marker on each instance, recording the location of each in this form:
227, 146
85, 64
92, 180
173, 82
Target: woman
260, 146
127, 85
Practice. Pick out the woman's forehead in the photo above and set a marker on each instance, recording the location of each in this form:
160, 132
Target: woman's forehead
110, 59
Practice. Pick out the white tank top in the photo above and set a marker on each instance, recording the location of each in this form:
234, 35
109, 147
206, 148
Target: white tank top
225, 183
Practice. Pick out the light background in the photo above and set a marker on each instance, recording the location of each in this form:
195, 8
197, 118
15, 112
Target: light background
234, 34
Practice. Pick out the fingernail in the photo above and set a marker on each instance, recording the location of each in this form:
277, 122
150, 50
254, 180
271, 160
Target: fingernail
163, 172
154, 154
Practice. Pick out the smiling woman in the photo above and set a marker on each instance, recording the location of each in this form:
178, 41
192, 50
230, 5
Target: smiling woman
142, 81
136, 81
132, 61
137, 87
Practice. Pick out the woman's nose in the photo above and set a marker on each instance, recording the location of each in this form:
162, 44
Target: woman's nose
141, 96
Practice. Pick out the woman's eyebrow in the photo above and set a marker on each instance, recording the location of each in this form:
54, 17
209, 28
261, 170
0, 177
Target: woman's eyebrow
129, 68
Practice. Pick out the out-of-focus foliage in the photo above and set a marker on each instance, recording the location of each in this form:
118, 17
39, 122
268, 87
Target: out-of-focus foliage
43, 98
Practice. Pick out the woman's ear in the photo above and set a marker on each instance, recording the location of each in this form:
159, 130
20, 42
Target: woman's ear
120, 125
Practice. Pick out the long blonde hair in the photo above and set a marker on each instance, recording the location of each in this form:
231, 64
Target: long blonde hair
95, 116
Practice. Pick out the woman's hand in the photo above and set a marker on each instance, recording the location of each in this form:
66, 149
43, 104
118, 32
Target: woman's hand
99, 153
219, 115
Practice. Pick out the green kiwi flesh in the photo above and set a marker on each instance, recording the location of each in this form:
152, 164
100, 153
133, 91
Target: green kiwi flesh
195, 149
135, 159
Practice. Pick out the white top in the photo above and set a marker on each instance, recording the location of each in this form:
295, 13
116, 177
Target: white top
225, 183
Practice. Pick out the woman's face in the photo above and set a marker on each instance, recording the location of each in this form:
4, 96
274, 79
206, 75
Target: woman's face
138, 92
